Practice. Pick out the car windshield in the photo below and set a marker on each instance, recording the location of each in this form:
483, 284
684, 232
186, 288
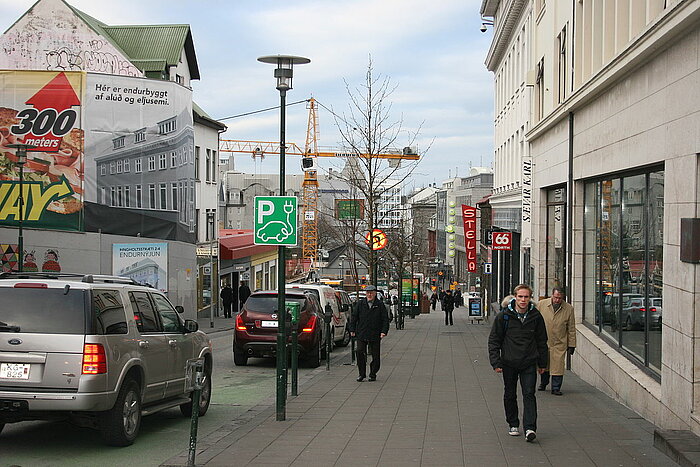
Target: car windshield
42, 310
313, 291
267, 303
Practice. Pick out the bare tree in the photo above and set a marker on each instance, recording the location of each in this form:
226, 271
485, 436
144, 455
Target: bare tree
370, 133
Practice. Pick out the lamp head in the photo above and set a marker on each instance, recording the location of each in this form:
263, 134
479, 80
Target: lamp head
284, 71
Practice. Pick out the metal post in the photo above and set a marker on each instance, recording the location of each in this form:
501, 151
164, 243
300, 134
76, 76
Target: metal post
329, 346
20, 240
281, 319
198, 367
352, 350
212, 290
295, 351
21, 153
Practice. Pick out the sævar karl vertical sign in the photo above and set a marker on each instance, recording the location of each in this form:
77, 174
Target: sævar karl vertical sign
275, 220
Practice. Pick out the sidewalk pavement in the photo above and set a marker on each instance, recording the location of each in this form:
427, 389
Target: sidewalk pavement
436, 402
220, 324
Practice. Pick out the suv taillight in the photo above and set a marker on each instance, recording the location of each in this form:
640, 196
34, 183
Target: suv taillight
239, 323
310, 324
94, 359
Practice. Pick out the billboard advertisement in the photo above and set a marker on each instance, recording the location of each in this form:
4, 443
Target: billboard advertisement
140, 164
44, 110
146, 263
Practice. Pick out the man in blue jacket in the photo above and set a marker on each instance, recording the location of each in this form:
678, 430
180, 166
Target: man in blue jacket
370, 323
518, 350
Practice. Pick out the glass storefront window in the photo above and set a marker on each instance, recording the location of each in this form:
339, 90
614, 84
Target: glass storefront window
623, 262
591, 264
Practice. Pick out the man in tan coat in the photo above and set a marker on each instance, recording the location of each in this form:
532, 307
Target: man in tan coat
561, 337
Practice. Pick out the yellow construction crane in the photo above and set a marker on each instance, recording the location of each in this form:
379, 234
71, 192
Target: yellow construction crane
309, 237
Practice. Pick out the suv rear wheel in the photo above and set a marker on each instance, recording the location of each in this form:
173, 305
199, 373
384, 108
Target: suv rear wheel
119, 426
204, 398
314, 359
240, 358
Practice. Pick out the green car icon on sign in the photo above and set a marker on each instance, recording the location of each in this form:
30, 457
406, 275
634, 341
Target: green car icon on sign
275, 220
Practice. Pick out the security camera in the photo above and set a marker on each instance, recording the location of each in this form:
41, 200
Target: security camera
482, 28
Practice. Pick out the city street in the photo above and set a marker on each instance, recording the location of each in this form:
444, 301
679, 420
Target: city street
236, 391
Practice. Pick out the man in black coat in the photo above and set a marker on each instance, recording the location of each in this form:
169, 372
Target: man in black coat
243, 293
227, 299
369, 323
518, 350
448, 306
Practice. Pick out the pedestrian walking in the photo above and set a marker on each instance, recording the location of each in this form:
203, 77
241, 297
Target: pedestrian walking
227, 299
561, 337
458, 298
518, 350
433, 299
370, 323
448, 306
243, 293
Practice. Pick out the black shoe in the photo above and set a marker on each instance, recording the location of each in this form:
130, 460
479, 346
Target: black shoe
360, 379
542, 387
557, 392
372, 378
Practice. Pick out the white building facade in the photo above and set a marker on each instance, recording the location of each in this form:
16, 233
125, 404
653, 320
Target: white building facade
510, 60
614, 140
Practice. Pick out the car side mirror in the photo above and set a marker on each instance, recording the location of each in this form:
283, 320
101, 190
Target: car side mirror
180, 309
191, 325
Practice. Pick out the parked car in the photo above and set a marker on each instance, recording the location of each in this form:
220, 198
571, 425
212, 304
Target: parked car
255, 333
98, 350
634, 314
611, 303
326, 297
345, 303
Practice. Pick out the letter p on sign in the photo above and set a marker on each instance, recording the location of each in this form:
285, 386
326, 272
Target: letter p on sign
265, 208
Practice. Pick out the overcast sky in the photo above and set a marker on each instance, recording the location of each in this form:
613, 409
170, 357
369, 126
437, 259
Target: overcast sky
432, 51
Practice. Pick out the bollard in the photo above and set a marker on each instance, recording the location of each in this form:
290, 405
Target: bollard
198, 371
293, 310
327, 317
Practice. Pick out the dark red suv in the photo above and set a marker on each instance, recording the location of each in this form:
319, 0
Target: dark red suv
256, 328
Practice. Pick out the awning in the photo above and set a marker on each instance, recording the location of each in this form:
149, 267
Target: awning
237, 244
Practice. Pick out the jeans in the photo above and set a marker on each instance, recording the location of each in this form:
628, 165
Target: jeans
448, 316
528, 380
227, 309
556, 381
374, 348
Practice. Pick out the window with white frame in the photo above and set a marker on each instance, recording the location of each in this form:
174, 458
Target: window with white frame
119, 142
152, 196
103, 169
173, 159
163, 190
162, 161
140, 136
137, 165
167, 126
127, 196
127, 166
539, 90
139, 203
562, 68
120, 166
151, 163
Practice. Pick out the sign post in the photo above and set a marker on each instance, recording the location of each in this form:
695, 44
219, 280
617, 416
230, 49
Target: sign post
276, 224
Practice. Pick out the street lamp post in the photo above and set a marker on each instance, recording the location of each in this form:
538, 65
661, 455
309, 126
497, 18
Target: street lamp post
284, 74
21, 153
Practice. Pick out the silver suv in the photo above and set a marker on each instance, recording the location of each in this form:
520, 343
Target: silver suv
100, 350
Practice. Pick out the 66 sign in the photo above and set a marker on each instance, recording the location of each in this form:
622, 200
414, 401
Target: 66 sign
502, 241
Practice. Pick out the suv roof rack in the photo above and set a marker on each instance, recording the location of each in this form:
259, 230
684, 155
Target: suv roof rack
37, 275
88, 278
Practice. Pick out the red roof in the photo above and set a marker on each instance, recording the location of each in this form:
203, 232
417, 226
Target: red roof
237, 244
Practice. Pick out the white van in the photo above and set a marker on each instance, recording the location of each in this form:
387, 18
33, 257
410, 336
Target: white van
326, 296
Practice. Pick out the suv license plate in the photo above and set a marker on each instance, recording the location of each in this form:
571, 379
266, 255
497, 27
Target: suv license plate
268, 324
14, 370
